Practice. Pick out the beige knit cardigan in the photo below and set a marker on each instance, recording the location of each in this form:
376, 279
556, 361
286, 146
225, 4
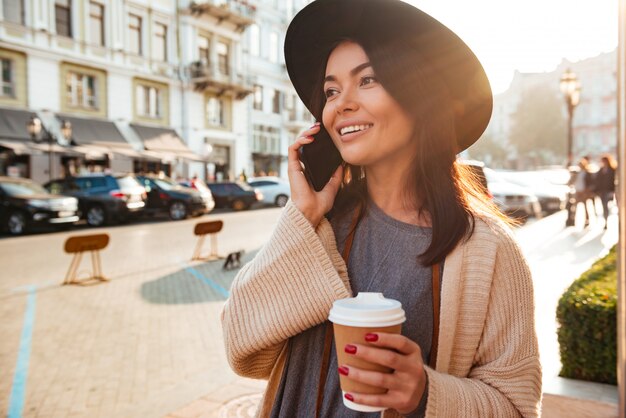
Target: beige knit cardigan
488, 360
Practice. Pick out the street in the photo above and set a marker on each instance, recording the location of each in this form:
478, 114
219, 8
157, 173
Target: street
148, 343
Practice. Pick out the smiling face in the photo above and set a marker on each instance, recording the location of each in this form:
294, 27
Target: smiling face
366, 124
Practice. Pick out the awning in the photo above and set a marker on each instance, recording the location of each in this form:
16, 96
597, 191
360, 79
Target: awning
18, 147
13, 124
56, 148
96, 132
164, 143
27, 148
97, 152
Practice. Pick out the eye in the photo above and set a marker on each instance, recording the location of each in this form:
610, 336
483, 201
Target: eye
330, 92
368, 79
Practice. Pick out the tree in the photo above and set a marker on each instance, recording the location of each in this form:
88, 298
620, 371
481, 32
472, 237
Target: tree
539, 127
488, 150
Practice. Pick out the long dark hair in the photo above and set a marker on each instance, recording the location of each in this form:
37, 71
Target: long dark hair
444, 189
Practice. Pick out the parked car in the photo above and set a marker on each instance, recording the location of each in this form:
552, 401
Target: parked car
167, 196
477, 168
516, 201
24, 205
103, 198
276, 191
551, 196
513, 200
205, 192
236, 195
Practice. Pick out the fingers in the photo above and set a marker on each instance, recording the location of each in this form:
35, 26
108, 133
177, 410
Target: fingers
382, 356
293, 160
405, 383
372, 378
333, 184
397, 342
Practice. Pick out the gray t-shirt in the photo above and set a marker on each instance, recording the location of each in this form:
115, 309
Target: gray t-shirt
384, 258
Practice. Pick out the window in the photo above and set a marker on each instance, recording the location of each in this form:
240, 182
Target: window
257, 104
290, 105
8, 88
81, 90
276, 102
222, 57
204, 50
254, 40
159, 43
148, 101
96, 23
13, 11
134, 34
265, 139
215, 112
274, 47
63, 17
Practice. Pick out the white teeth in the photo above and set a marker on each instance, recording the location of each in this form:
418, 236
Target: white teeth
353, 128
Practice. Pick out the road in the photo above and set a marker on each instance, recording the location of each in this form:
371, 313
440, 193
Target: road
148, 343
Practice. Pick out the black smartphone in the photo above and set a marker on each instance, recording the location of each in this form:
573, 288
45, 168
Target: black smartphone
320, 158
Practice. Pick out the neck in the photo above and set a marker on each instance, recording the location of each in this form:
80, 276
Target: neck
389, 190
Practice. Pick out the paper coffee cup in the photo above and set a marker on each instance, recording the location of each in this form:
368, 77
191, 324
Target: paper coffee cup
352, 318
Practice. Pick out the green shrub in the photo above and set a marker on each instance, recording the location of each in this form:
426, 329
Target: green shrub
587, 317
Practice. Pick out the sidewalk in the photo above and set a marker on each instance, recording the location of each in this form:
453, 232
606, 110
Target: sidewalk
557, 256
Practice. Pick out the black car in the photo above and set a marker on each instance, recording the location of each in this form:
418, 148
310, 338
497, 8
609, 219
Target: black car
167, 196
103, 198
24, 204
236, 195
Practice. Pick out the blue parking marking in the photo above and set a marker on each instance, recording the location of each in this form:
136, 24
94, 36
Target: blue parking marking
208, 281
18, 390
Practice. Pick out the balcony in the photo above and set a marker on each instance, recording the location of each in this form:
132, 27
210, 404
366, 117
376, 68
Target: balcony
207, 78
295, 121
238, 12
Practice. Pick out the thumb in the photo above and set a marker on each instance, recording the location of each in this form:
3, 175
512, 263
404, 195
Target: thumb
332, 187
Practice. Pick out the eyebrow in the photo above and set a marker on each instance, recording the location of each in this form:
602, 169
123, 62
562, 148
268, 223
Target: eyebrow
353, 72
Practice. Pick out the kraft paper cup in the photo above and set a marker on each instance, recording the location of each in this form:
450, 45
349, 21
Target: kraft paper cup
352, 318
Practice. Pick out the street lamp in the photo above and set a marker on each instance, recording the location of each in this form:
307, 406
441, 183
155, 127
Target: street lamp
34, 129
570, 87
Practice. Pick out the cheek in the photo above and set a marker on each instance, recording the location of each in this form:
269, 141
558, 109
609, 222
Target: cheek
326, 116
327, 121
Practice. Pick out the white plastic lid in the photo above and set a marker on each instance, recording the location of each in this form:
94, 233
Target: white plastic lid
367, 310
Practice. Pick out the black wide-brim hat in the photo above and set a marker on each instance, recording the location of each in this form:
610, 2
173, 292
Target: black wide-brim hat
320, 25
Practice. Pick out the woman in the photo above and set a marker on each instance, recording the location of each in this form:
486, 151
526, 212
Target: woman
400, 95
583, 182
605, 184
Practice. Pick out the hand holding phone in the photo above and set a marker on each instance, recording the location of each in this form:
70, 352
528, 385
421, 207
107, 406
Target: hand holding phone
313, 201
320, 158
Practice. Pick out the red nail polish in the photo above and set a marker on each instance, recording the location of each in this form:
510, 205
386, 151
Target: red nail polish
343, 370
349, 397
350, 349
369, 337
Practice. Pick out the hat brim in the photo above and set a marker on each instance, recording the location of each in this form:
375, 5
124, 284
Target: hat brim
322, 23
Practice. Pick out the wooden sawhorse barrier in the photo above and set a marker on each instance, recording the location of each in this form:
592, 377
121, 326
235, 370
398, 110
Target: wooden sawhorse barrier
77, 246
203, 229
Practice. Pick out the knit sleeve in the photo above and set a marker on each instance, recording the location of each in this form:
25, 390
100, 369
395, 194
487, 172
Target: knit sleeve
505, 378
287, 288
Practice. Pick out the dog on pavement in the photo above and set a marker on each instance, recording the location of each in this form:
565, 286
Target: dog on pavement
233, 260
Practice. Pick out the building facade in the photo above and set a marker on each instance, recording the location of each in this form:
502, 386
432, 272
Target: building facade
179, 86
595, 117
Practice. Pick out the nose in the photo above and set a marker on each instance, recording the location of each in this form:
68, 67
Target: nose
346, 102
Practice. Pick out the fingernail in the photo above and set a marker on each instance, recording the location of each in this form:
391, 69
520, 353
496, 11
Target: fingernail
350, 349
314, 125
369, 337
343, 370
349, 397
